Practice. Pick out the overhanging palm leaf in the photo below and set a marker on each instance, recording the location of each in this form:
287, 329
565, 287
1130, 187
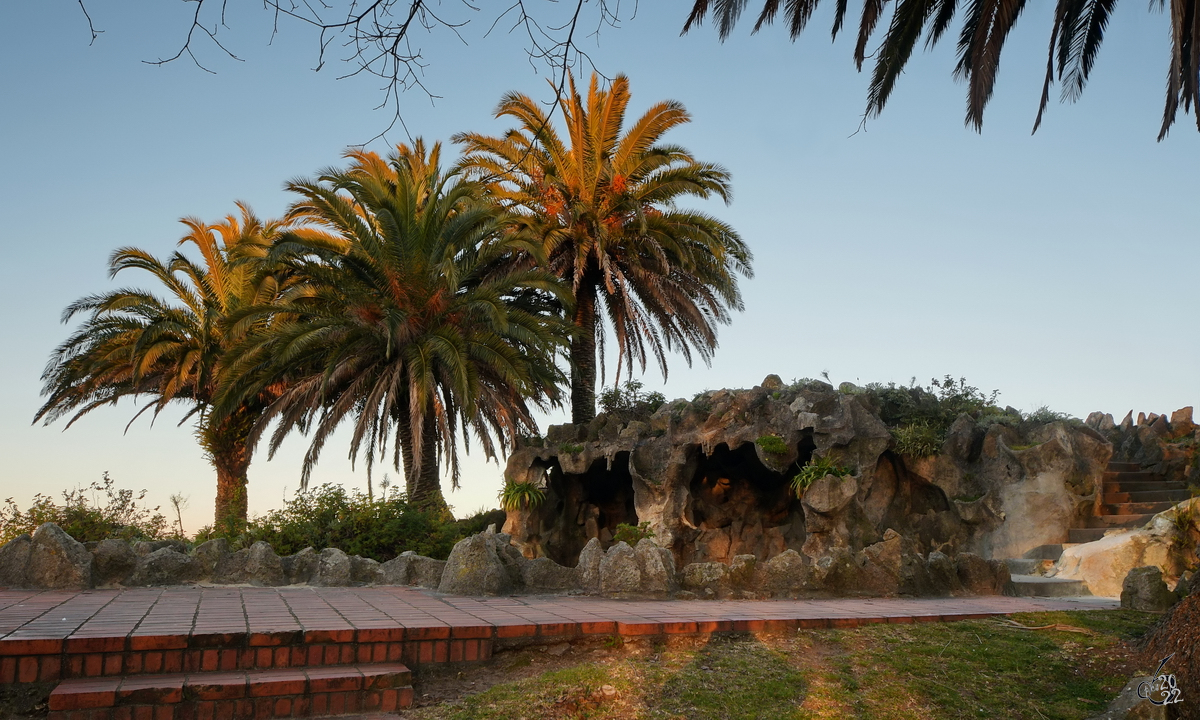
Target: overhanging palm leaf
1075, 38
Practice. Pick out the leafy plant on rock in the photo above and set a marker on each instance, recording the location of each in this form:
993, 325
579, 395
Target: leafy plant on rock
521, 496
772, 444
815, 469
917, 439
628, 402
633, 534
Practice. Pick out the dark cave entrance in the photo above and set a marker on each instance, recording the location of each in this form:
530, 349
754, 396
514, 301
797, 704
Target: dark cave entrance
739, 506
583, 506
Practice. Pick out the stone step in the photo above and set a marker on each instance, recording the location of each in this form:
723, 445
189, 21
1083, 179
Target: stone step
257, 694
1135, 508
1119, 521
1086, 535
1139, 476
1171, 496
1028, 566
1124, 466
1038, 586
1125, 486
1044, 552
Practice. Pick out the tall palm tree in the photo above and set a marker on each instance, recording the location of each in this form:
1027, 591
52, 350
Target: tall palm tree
171, 348
409, 321
603, 207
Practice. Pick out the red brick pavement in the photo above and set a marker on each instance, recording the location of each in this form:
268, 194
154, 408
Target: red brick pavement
48, 622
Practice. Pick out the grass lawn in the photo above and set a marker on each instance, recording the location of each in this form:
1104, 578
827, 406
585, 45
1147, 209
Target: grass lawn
971, 669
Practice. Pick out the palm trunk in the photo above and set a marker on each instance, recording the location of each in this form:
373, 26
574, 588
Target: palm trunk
424, 486
229, 452
583, 356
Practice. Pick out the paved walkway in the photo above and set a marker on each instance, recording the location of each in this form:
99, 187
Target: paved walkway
46, 621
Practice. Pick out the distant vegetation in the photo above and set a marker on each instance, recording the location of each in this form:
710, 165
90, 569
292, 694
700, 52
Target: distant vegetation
96, 512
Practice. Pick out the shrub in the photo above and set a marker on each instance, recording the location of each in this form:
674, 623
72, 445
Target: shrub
633, 534
1044, 415
629, 402
83, 517
918, 439
816, 469
375, 527
772, 444
517, 496
570, 448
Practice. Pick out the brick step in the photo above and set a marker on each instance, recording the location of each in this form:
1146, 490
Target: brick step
1086, 535
1135, 508
45, 660
1124, 466
1119, 521
1037, 586
1157, 486
255, 694
1171, 496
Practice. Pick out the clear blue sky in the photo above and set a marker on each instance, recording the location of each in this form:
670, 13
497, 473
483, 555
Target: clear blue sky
1059, 268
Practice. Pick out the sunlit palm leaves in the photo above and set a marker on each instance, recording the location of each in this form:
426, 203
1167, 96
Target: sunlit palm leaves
409, 323
601, 203
171, 347
1075, 38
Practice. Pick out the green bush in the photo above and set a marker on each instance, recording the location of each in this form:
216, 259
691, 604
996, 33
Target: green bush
817, 468
375, 527
633, 534
772, 444
82, 516
918, 439
630, 403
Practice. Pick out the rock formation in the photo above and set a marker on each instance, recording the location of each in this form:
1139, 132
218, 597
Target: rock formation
713, 478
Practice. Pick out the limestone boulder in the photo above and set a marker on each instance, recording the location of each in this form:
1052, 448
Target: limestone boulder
300, 568
208, 555
364, 571
620, 574
57, 561
978, 576
165, 566
113, 562
333, 569
943, 575
657, 567
483, 564
409, 568
543, 575
706, 580
1143, 589
14, 562
1103, 564
145, 547
589, 566
263, 567
788, 574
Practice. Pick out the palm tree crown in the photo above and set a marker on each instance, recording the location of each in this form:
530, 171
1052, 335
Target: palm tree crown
602, 205
408, 322
171, 348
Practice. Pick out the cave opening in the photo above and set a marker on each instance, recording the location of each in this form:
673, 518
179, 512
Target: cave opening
587, 505
739, 506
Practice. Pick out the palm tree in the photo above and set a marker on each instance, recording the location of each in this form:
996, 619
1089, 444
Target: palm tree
409, 321
602, 205
1075, 38
171, 348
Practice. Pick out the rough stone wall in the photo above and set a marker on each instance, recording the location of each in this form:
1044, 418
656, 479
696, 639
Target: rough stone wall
698, 474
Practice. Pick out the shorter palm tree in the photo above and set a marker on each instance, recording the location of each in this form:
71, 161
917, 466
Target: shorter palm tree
409, 322
171, 348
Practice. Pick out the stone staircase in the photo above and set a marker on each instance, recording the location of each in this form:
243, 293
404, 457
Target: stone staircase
1130, 498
